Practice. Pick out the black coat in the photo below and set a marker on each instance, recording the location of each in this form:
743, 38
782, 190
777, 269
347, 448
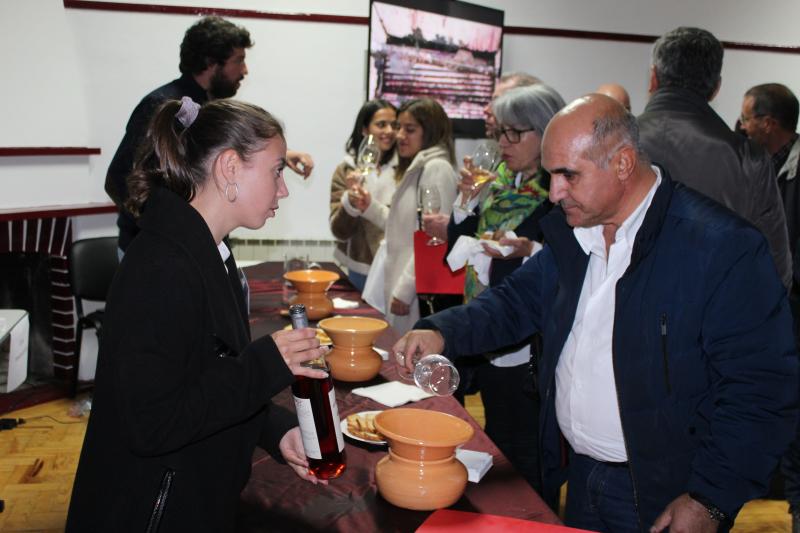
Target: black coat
135, 131
182, 394
681, 132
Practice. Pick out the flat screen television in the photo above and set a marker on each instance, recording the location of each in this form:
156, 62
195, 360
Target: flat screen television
442, 49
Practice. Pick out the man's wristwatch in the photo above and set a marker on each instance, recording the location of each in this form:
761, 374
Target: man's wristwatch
714, 512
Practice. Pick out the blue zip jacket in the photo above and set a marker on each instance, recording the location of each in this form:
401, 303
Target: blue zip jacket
703, 353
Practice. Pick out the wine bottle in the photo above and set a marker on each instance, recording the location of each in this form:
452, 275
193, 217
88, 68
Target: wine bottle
317, 413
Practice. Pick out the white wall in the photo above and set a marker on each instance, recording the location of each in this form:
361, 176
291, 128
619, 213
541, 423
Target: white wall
72, 77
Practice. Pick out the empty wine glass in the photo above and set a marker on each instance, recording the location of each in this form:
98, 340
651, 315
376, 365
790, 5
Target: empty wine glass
434, 374
431, 203
368, 155
485, 159
290, 264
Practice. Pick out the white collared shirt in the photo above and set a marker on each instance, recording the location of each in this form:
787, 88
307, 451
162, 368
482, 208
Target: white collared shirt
586, 393
224, 252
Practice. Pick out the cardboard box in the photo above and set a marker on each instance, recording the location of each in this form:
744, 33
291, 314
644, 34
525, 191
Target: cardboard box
14, 332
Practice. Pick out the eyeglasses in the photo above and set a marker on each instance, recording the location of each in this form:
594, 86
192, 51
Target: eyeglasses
512, 135
744, 120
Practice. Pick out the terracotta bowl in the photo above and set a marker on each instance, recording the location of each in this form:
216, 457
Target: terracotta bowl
422, 435
420, 485
352, 357
311, 286
311, 280
421, 471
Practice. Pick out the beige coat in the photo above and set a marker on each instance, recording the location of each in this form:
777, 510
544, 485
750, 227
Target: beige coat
359, 235
429, 167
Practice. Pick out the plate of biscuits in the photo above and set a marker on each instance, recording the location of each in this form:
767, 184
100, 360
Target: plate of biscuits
361, 427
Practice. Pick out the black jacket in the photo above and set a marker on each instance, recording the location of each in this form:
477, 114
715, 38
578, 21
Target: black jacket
182, 395
681, 132
124, 158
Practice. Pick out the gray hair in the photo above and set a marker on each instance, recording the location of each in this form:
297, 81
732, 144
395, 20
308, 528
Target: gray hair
688, 58
611, 132
531, 106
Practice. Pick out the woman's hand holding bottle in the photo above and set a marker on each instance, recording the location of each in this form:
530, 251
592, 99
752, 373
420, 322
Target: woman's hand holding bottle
298, 346
292, 450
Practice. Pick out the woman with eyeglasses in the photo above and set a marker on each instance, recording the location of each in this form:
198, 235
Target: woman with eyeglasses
515, 200
359, 202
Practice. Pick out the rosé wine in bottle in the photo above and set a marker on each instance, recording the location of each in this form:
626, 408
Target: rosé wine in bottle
318, 413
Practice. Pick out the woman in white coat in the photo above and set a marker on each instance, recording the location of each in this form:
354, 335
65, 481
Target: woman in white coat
426, 158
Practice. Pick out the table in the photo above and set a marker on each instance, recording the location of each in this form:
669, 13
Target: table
275, 499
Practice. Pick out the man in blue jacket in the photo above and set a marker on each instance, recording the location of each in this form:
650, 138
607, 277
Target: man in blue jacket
668, 376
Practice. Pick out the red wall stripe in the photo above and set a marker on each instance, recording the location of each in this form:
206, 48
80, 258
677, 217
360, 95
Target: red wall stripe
339, 19
19, 151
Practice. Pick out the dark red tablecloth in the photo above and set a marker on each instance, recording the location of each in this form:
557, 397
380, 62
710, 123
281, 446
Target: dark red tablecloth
275, 499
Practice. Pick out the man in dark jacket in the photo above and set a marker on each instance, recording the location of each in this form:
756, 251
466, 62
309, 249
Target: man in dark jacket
212, 65
681, 132
668, 376
769, 117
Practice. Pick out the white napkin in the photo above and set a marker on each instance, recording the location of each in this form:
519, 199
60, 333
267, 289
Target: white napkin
469, 251
392, 393
383, 353
477, 463
342, 303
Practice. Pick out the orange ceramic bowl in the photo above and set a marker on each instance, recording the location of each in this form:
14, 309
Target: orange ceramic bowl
311, 280
352, 357
420, 485
420, 434
353, 331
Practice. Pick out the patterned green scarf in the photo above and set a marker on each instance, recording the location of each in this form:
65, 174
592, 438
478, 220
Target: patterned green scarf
505, 207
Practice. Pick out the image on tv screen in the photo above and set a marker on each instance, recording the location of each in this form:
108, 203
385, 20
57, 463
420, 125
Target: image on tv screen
453, 55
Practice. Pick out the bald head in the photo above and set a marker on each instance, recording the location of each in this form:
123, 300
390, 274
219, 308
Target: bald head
617, 92
591, 150
600, 124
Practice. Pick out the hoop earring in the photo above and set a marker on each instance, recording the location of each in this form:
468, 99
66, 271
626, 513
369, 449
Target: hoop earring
235, 192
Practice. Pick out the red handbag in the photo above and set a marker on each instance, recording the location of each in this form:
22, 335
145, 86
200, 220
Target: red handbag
432, 271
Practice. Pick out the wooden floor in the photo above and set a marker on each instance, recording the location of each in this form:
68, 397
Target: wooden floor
39, 458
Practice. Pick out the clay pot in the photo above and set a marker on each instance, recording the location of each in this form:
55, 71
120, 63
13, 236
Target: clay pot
420, 485
421, 471
423, 435
352, 357
311, 288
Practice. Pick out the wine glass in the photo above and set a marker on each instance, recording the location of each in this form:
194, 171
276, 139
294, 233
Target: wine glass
434, 374
368, 155
431, 202
290, 264
485, 159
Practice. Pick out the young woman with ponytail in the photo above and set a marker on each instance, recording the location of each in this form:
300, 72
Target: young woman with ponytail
182, 393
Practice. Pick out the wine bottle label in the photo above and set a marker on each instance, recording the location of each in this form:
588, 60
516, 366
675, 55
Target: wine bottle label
335, 411
308, 430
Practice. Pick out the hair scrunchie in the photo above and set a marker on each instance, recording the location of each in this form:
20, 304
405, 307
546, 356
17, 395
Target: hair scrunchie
188, 111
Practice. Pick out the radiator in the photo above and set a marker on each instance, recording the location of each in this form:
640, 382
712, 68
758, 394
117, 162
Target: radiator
249, 251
